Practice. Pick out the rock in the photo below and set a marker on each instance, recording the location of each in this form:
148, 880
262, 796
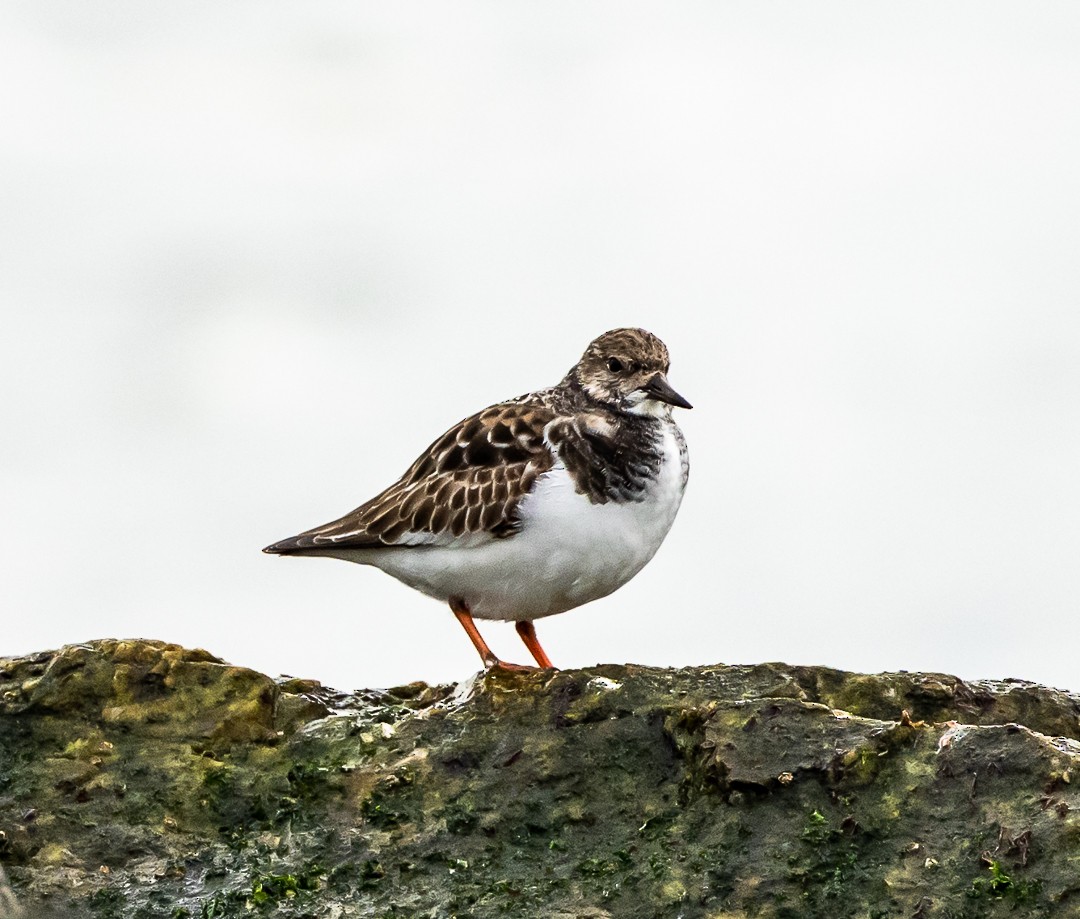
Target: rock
140, 779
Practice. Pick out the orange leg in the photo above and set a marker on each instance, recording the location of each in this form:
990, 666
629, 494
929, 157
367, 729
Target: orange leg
461, 609
528, 635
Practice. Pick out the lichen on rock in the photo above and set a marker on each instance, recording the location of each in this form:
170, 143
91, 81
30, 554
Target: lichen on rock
140, 779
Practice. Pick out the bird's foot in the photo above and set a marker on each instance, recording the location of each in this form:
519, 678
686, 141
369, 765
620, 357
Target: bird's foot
495, 664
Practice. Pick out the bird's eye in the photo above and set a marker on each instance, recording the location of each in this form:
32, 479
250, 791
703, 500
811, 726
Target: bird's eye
614, 365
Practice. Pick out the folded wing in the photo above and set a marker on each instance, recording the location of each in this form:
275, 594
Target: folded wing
469, 482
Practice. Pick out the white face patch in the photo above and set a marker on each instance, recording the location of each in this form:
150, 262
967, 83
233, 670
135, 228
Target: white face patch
639, 403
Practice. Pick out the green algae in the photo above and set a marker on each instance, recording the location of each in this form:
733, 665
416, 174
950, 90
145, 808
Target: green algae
1002, 885
270, 888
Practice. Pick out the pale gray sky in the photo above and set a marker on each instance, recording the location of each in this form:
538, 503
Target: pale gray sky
255, 256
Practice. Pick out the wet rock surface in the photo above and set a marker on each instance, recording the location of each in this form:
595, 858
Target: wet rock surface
140, 779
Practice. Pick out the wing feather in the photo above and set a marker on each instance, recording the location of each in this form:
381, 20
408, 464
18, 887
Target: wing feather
469, 481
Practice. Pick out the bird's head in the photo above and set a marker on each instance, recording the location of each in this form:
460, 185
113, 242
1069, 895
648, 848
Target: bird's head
627, 370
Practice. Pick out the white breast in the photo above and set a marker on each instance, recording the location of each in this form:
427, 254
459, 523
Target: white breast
569, 551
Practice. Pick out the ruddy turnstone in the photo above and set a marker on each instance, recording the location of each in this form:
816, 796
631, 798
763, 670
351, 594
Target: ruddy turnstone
535, 505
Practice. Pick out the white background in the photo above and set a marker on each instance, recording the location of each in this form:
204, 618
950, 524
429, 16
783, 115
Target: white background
255, 256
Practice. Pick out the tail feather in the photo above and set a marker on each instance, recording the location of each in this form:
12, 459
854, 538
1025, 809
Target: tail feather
313, 544
285, 547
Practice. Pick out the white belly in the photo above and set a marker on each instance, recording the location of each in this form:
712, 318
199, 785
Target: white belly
568, 551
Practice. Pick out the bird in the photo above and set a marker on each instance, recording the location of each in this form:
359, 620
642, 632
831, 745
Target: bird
532, 506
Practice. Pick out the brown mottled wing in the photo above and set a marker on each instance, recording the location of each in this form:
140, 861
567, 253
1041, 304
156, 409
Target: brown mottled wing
470, 481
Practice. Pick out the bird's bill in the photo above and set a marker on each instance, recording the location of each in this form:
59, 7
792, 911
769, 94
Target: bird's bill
660, 389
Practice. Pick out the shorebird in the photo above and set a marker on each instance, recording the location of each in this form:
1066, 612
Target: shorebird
535, 505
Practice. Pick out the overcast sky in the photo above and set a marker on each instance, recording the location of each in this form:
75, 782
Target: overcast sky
255, 256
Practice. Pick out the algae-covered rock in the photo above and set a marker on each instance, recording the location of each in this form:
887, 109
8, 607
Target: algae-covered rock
140, 779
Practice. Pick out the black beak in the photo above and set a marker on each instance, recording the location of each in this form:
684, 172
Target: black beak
660, 389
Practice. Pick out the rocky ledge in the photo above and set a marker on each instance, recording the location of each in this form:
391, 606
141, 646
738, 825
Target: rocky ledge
140, 780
